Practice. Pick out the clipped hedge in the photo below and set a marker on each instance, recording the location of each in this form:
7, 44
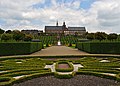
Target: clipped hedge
64, 76
19, 48
6, 81
98, 75
100, 47
32, 76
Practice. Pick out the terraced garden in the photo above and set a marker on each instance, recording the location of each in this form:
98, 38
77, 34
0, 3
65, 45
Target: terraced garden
19, 69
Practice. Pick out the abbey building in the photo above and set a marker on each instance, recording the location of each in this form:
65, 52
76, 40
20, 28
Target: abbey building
65, 30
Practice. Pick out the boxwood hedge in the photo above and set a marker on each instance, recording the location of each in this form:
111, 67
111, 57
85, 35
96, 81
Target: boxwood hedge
64, 76
19, 48
100, 47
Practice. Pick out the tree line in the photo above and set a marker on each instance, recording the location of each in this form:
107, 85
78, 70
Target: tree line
14, 35
18, 35
102, 36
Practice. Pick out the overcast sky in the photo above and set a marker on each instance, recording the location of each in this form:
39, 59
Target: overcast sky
95, 15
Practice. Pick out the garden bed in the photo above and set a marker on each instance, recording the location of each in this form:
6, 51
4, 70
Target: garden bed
35, 67
63, 66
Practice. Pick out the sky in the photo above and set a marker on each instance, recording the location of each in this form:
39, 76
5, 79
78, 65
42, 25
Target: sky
95, 15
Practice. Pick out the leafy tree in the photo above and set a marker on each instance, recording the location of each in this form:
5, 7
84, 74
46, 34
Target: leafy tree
76, 34
100, 36
17, 35
112, 36
1, 31
70, 44
8, 31
90, 36
28, 38
6, 37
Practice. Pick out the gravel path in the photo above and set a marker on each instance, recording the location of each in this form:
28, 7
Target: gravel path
58, 50
78, 80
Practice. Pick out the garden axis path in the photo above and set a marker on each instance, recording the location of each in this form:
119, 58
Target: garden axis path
58, 50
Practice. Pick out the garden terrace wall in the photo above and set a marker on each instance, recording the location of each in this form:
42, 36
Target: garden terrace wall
100, 47
19, 48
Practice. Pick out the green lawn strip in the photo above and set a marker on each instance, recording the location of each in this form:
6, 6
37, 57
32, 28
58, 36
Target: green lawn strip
24, 72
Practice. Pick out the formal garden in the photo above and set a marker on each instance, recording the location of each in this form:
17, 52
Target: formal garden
19, 69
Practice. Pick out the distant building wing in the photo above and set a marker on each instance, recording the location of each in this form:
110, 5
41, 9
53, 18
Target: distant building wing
76, 28
53, 27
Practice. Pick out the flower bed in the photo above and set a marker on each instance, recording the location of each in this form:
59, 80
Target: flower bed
63, 66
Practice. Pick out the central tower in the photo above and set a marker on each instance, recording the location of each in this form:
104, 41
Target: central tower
57, 23
64, 26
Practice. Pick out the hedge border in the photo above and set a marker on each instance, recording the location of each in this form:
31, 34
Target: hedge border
64, 76
99, 47
70, 69
98, 75
7, 83
19, 48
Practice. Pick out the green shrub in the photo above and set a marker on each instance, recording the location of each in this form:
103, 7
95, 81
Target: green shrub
33, 76
19, 48
98, 75
6, 81
47, 45
100, 47
6, 37
64, 76
70, 44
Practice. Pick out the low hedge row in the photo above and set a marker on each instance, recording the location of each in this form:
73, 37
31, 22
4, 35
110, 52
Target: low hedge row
32, 76
101, 70
6, 81
99, 75
64, 76
100, 47
19, 48
64, 69
13, 81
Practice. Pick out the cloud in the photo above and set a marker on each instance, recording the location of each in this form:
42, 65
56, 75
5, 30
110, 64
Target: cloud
108, 14
102, 15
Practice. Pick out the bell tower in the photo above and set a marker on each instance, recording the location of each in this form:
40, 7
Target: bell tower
57, 23
64, 26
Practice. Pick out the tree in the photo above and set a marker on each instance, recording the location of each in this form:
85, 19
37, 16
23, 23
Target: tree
76, 34
17, 35
28, 38
8, 31
112, 36
1, 31
90, 36
100, 36
6, 37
